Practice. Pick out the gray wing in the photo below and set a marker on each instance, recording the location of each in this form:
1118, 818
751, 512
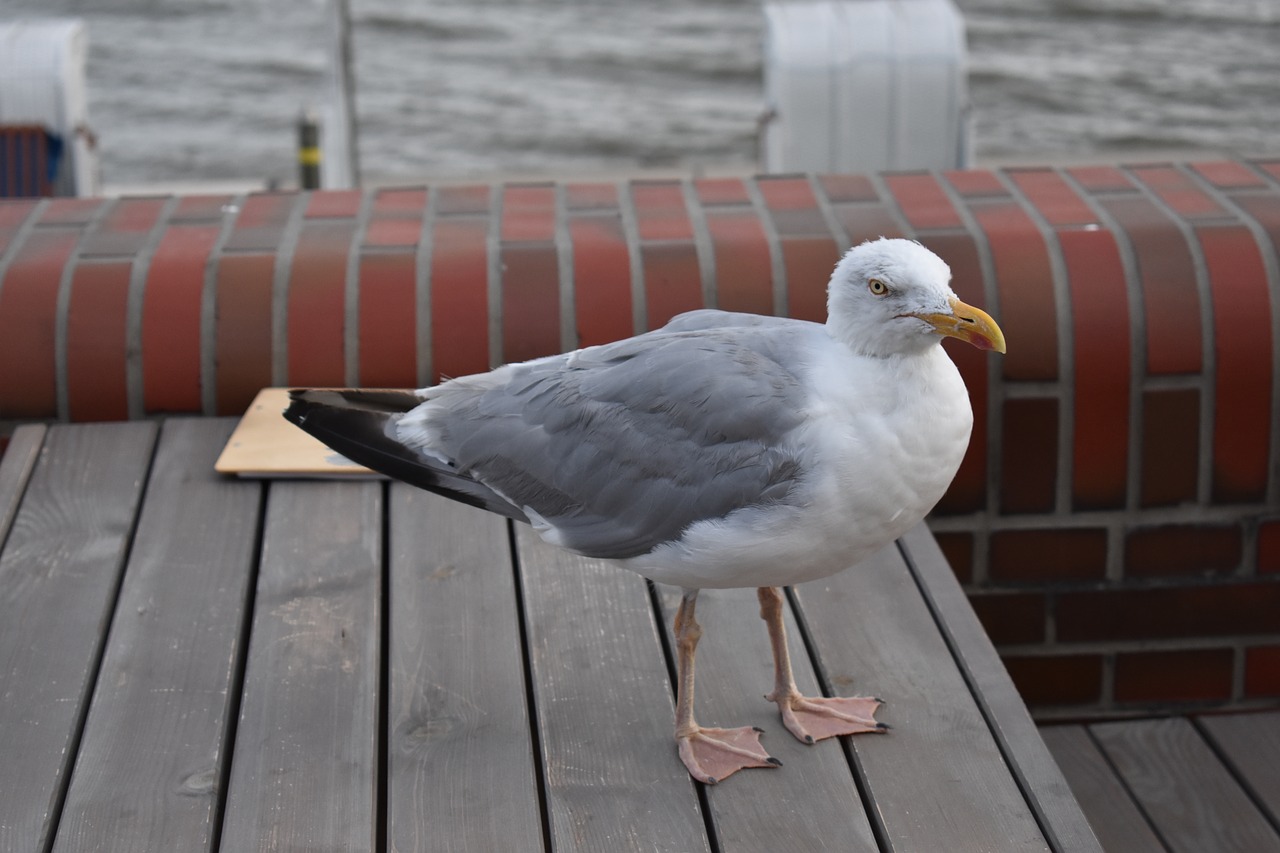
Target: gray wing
621, 447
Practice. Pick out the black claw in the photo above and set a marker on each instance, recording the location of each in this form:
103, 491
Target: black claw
808, 738
757, 729
775, 762
884, 727
878, 699
712, 780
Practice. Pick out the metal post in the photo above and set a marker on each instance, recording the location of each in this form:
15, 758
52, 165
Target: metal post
308, 150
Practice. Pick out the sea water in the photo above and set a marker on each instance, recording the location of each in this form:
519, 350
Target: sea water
210, 89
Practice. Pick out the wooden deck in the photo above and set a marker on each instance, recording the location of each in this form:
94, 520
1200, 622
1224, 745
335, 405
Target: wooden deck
197, 663
1203, 784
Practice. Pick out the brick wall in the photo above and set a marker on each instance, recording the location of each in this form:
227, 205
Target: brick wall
1117, 519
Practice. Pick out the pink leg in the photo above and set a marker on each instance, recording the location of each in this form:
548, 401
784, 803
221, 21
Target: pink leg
710, 754
810, 719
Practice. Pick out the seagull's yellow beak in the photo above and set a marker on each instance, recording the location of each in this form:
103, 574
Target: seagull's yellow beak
971, 325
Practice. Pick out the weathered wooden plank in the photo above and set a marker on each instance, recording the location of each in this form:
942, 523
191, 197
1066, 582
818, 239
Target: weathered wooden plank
16, 465
303, 774
1186, 792
58, 577
1115, 818
939, 775
604, 708
1042, 783
461, 771
151, 757
812, 802
1251, 743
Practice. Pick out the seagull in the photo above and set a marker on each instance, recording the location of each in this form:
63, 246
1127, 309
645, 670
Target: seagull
722, 450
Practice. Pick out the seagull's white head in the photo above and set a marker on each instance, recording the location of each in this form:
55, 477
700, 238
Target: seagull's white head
894, 297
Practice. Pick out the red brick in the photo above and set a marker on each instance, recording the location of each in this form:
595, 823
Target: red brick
1100, 325
1173, 676
809, 262
1057, 679
1262, 671
789, 193
388, 313
968, 490
602, 277
1170, 446
1025, 282
923, 201
1029, 455
97, 340
1048, 556
397, 218
842, 188
201, 208
958, 549
1269, 547
70, 211
1100, 178
864, 222
744, 280
1170, 299
975, 182
1228, 174
1179, 191
1053, 197
530, 301
808, 252
530, 273
124, 230
591, 197
243, 338
407, 202
1182, 550
260, 223
28, 323
528, 214
722, 191
334, 204
391, 232
459, 297
463, 200
1221, 609
672, 277
660, 211
1011, 618
171, 319
672, 280
317, 304
1242, 374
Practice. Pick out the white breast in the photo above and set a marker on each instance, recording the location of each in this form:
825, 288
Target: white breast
883, 440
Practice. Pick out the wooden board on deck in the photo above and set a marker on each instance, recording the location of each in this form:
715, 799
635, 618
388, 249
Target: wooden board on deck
152, 757
303, 775
1190, 797
264, 444
461, 773
58, 577
1116, 819
605, 709
940, 745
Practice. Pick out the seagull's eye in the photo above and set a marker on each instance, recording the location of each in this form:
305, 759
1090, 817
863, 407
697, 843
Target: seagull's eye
877, 287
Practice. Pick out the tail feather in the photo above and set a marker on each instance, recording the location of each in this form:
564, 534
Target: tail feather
361, 426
